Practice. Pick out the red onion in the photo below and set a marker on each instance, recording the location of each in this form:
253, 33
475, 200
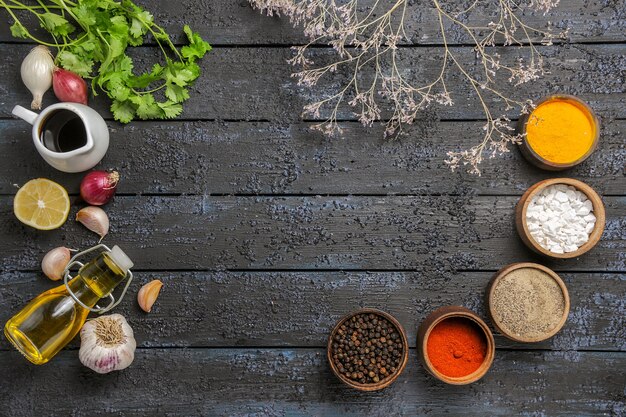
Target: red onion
98, 187
69, 87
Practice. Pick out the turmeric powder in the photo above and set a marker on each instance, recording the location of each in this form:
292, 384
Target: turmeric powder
560, 130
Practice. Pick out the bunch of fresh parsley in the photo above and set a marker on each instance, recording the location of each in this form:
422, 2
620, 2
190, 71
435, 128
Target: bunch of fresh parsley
92, 36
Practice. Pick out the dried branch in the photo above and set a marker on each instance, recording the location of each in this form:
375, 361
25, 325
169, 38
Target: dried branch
369, 39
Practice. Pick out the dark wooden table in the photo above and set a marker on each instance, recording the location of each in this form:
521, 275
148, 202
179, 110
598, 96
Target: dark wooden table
265, 233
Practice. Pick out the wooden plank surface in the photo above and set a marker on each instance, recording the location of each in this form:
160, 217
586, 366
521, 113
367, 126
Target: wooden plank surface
260, 382
271, 158
265, 233
427, 233
236, 23
298, 309
252, 83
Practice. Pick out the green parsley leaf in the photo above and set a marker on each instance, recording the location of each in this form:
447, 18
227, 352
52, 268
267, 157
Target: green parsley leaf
143, 80
145, 16
123, 111
117, 46
18, 31
181, 74
118, 26
137, 29
124, 65
197, 47
162, 36
147, 108
116, 86
72, 62
85, 14
140, 24
118, 91
194, 69
56, 24
170, 109
176, 93
87, 45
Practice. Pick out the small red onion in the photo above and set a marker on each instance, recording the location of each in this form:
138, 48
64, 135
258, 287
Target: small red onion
98, 187
69, 87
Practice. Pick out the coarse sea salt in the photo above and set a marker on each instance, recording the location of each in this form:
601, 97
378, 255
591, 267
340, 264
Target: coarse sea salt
560, 218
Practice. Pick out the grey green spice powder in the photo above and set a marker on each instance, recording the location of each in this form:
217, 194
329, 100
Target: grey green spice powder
528, 303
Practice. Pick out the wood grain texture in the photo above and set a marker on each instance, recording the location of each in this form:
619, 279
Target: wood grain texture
251, 222
270, 158
236, 23
425, 233
298, 309
260, 382
253, 83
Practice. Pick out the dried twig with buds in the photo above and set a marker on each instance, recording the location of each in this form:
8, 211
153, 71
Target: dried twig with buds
366, 38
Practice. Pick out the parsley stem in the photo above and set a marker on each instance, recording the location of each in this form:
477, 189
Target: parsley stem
44, 6
154, 90
8, 6
32, 9
15, 18
156, 38
69, 11
162, 33
41, 20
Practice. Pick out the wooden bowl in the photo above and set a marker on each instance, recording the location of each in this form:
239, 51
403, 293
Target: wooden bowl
598, 211
437, 317
385, 382
494, 283
534, 158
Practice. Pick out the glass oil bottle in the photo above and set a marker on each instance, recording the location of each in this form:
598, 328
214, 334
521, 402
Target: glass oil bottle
52, 319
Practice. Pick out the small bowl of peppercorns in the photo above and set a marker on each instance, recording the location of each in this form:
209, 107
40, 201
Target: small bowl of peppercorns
368, 349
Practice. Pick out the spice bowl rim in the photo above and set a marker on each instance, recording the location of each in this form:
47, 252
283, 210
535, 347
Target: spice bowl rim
436, 317
503, 272
540, 162
385, 382
598, 210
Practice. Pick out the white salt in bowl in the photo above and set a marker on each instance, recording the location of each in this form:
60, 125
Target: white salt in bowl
598, 211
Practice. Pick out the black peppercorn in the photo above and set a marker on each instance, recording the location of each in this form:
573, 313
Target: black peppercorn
367, 348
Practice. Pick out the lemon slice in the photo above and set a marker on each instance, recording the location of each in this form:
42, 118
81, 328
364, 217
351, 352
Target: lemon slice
42, 204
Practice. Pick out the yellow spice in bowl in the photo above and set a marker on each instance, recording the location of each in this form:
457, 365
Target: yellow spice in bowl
560, 130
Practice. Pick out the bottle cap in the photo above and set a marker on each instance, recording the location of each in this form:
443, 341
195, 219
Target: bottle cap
121, 259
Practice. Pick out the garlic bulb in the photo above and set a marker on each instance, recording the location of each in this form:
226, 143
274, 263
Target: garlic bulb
107, 344
54, 263
94, 219
36, 71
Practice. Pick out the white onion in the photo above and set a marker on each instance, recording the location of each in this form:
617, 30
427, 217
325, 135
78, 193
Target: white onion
36, 73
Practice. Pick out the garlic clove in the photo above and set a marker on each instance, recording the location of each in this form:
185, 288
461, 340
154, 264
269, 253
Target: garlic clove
94, 219
54, 262
107, 344
148, 294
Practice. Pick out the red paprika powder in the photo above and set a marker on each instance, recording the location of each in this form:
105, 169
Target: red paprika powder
456, 347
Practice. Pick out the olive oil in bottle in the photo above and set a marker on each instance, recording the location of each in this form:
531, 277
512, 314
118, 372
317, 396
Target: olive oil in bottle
52, 319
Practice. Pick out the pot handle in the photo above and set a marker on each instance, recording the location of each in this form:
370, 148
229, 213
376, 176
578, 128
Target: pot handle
25, 114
